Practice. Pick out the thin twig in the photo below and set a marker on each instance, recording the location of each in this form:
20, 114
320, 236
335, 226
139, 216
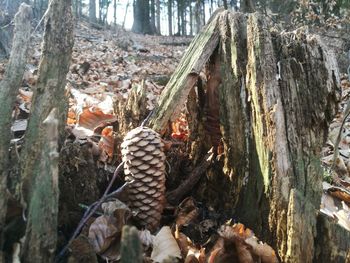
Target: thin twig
90, 211
147, 118
42, 18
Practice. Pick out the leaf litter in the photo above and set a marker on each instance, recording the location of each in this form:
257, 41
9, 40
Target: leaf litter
335, 200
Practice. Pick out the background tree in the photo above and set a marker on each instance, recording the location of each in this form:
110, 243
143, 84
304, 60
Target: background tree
92, 11
170, 17
142, 21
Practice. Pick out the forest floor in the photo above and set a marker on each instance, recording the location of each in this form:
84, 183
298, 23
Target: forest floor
107, 67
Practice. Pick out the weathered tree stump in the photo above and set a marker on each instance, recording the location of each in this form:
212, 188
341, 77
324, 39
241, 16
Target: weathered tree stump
8, 92
276, 94
41, 232
39, 179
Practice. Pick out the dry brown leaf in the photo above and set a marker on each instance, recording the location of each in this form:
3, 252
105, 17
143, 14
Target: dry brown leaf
81, 251
183, 241
91, 118
339, 192
107, 141
233, 249
187, 212
180, 128
238, 229
25, 95
103, 233
195, 256
146, 238
165, 246
71, 118
262, 250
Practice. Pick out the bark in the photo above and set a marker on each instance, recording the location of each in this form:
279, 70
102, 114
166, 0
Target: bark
276, 93
132, 111
182, 81
41, 230
8, 92
49, 94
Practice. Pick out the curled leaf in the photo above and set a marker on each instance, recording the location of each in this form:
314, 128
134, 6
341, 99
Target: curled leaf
187, 212
165, 246
107, 141
103, 234
93, 117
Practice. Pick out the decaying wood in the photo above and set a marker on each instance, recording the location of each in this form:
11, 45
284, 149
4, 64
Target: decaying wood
278, 93
133, 111
50, 88
8, 91
332, 242
175, 93
48, 94
41, 232
131, 248
174, 197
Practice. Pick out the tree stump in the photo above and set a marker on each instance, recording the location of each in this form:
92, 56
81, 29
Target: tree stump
8, 92
272, 95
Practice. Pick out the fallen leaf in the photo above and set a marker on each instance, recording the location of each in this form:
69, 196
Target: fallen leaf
103, 233
165, 246
186, 212
262, 250
91, 118
107, 141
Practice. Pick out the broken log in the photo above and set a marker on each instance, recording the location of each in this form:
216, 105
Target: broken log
277, 94
183, 80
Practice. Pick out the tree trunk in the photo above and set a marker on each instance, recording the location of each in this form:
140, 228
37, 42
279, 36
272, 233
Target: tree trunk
142, 23
225, 4
49, 94
158, 17
178, 18
12, 7
153, 16
199, 16
170, 17
92, 11
268, 103
183, 20
8, 92
247, 6
115, 12
191, 21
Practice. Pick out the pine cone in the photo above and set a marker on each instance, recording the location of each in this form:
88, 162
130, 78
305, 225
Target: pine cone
143, 157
